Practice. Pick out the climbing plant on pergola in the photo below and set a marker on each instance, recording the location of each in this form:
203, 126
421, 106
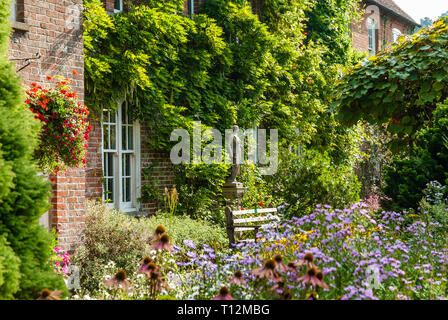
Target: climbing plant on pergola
400, 87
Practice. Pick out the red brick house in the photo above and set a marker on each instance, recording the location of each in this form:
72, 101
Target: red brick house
47, 40
383, 22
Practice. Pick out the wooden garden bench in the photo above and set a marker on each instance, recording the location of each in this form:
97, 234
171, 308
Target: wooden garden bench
237, 221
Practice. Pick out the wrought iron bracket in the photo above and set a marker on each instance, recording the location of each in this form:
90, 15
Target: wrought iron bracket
27, 61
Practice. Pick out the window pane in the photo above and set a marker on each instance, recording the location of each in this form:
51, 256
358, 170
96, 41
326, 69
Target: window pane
130, 138
112, 137
110, 164
106, 137
117, 5
109, 192
124, 115
106, 115
128, 164
13, 16
128, 189
124, 138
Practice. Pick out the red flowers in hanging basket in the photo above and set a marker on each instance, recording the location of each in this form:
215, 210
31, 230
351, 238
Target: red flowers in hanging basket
65, 128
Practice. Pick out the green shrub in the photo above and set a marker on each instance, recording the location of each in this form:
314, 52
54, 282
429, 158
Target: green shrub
407, 177
9, 270
23, 194
200, 191
312, 178
112, 236
258, 192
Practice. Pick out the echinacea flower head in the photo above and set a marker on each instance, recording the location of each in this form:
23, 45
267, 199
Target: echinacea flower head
310, 278
279, 263
157, 233
119, 281
224, 294
159, 230
157, 281
163, 243
291, 267
267, 271
308, 260
46, 294
237, 278
320, 275
147, 266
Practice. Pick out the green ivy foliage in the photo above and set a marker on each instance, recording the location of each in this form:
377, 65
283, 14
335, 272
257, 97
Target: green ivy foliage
24, 244
399, 87
224, 66
329, 23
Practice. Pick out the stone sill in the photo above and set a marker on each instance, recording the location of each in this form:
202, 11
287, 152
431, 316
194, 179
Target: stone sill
20, 26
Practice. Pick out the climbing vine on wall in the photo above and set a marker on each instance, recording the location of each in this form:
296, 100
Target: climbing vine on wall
224, 66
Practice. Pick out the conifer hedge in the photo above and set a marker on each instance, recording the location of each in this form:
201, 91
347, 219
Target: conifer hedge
24, 245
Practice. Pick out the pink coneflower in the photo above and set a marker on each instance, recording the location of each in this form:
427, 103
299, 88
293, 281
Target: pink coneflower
308, 260
158, 282
119, 281
157, 233
320, 275
279, 263
224, 294
147, 267
46, 294
163, 243
310, 278
267, 271
237, 278
291, 267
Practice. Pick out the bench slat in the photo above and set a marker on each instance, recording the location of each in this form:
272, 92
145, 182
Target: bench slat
256, 219
244, 229
242, 212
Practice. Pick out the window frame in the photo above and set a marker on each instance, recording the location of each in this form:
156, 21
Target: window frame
191, 7
396, 34
121, 7
372, 37
118, 167
13, 14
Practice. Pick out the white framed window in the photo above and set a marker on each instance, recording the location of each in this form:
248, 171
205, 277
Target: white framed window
13, 16
396, 33
372, 26
191, 7
118, 6
120, 159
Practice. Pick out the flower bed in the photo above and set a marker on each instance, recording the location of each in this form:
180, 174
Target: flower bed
329, 254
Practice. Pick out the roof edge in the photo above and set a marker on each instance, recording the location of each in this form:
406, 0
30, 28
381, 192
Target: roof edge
410, 21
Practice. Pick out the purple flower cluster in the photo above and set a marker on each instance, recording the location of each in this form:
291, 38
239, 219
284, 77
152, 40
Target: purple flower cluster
361, 254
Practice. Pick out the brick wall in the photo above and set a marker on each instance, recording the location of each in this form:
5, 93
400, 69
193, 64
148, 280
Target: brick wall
94, 164
162, 173
52, 29
387, 22
69, 205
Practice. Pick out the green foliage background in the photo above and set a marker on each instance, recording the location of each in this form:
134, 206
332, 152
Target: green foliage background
225, 66
406, 178
400, 87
